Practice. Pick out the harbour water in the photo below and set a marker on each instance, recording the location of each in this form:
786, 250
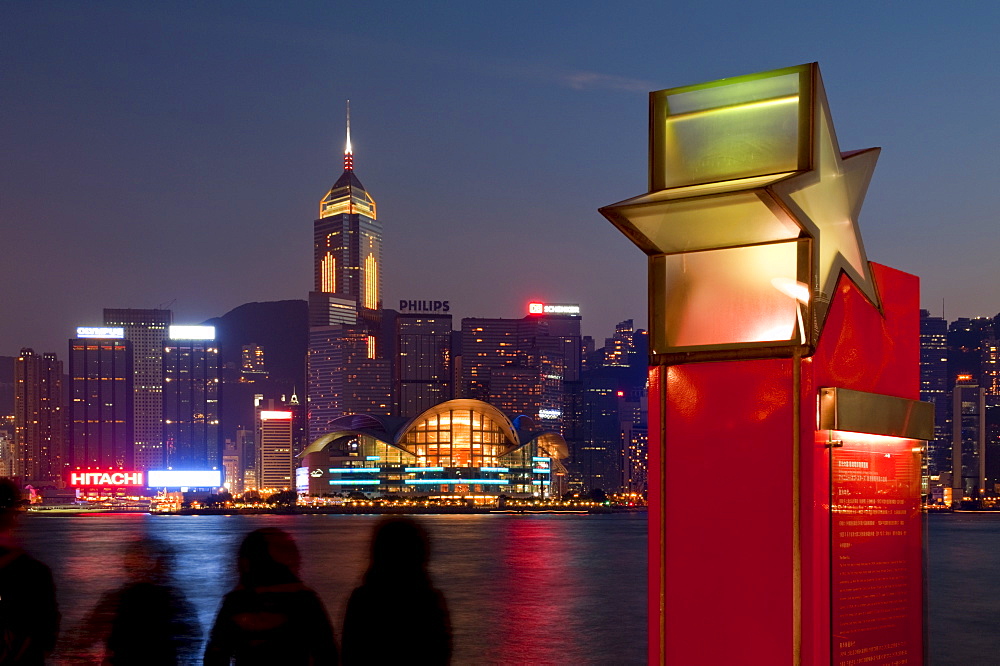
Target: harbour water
538, 589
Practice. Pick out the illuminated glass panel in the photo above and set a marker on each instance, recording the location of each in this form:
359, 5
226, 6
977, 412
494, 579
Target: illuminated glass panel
457, 438
386, 453
723, 297
328, 273
735, 128
371, 282
710, 222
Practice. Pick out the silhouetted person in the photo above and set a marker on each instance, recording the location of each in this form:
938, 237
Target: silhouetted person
397, 616
147, 620
271, 617
29, 616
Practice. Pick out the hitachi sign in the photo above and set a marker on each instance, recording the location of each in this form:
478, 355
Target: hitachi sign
424, 306
109, 479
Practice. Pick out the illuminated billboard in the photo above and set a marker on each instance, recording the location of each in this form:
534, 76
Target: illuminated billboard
175, 478
107, 332
192, 332
266, 415
553, 308
112, 478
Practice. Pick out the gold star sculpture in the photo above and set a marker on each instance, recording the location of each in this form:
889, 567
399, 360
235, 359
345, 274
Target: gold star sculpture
750, 217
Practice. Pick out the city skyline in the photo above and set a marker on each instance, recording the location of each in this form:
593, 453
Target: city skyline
181, 167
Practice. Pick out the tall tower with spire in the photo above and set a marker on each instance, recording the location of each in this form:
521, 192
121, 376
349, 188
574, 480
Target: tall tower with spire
348, 370
347, 248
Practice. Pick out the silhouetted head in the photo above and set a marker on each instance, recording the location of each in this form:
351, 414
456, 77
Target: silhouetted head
149, 559
268, 556
10, 502
399, 548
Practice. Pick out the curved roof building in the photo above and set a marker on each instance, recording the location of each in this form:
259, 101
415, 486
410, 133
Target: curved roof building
459, 448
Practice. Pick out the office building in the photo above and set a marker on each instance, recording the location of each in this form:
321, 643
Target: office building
521, 366
101, 431
934, 388
191, 389
423, 376
968, 440
146, 332
8, 456
344, 377
246, 453
608, 433
348, 368
633, 420
347, 245
232, 470
274, 447
40, 455
252, 366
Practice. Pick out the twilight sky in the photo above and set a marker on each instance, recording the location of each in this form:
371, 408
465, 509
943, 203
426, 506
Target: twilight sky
169, 152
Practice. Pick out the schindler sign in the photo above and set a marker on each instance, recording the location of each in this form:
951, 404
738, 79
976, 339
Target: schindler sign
424, 306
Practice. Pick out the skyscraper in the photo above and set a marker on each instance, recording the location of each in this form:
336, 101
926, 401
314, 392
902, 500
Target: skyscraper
100, 408
348, 370
934, 388
968, 440
608, 433
191, 432
344, 378
274, 449
347, 251
39, 419
423, 361
522, 365
146, 331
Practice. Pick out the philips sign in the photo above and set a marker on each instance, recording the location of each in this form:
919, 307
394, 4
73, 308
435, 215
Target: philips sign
116, 332
553, 308
424, 306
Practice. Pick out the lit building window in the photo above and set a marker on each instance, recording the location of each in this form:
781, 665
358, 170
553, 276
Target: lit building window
327, 274
371, 282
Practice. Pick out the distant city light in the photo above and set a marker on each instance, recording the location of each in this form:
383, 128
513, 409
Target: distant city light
192, 332
266, 415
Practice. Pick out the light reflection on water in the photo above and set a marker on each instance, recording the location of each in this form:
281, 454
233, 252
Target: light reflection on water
521, 589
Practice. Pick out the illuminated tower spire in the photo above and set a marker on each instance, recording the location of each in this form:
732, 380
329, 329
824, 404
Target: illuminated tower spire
348, 238
348, 152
